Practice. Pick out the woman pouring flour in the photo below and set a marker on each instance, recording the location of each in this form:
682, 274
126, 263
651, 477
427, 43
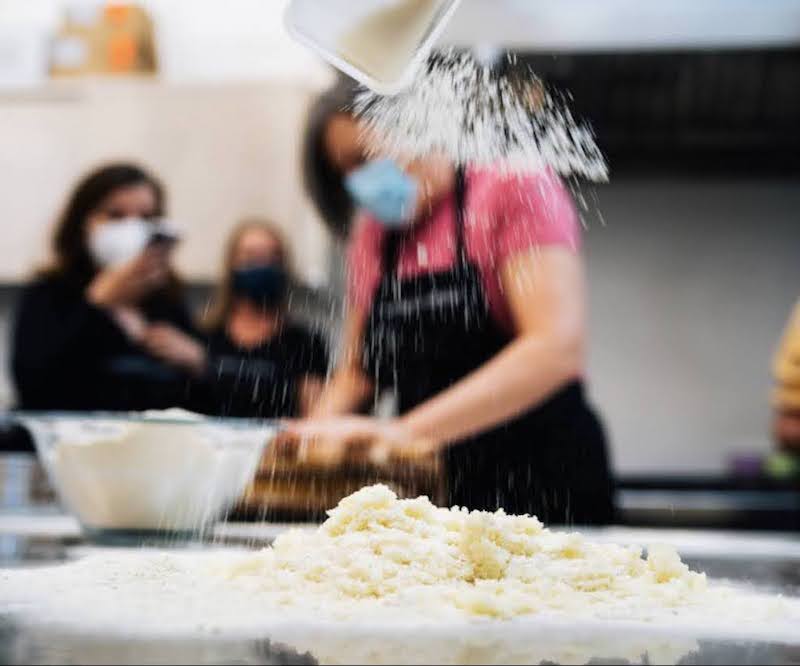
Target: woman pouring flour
466, 298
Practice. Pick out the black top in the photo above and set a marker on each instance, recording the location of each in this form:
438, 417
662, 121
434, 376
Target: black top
70, 355
263, 381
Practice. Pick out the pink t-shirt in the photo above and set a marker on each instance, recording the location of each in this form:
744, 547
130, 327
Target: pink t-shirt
506, 214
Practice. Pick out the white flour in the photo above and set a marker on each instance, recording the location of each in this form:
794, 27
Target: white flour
460, 108
385, 566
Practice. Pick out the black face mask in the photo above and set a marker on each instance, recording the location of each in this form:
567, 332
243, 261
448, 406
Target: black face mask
263, 285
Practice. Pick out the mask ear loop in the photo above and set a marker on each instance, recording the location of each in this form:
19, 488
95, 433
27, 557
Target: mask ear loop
461, 205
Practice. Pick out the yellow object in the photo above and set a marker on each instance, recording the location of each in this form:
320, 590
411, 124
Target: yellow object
786, 366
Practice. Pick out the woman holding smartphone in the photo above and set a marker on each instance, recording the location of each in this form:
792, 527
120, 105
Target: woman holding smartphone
105, 325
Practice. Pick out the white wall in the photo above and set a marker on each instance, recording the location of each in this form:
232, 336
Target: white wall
691, 283
234, 39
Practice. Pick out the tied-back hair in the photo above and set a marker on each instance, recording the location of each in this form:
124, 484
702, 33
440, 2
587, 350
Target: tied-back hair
324, 183
221, 304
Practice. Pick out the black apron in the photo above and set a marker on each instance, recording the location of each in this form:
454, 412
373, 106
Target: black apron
427, 332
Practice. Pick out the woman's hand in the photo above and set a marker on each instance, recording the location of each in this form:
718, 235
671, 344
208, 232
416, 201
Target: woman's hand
175, 347
330, 443
131, 321
126, 285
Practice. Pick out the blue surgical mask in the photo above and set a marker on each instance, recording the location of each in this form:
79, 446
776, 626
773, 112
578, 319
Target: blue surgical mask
385, 190
264, 285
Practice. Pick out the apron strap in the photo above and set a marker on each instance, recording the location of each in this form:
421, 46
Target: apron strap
391, 249
461, 214
392, 240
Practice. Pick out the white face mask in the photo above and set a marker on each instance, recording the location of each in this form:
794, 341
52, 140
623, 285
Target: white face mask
118, 242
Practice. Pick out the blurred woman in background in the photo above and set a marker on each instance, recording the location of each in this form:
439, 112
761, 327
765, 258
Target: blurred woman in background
105, 326
258, 363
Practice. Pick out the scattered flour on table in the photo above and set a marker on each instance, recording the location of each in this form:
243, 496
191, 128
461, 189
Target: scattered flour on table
472, 114
388, 562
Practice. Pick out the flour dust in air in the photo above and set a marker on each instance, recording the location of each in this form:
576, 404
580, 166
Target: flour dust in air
480, 114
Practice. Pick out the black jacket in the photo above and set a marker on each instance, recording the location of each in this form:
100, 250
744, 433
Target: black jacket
70, 355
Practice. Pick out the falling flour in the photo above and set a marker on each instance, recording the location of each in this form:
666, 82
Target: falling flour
465, 110
385, 565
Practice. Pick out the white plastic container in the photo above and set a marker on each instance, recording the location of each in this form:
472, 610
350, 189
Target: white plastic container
380, 43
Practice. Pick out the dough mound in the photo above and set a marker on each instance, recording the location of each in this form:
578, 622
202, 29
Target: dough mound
411, 555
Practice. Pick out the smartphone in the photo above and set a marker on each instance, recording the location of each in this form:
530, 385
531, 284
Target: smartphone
379, 43
163, 238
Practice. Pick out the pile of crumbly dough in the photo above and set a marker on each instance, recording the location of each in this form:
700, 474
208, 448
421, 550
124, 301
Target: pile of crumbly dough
378, 551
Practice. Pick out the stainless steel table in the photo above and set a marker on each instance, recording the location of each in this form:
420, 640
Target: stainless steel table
36, 533
42, 535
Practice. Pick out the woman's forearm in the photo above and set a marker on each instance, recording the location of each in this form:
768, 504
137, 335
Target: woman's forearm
525, 373
310, 390
544, 290
349, 387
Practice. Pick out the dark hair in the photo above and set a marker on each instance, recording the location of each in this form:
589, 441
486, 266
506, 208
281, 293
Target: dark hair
324, 183
71, 257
